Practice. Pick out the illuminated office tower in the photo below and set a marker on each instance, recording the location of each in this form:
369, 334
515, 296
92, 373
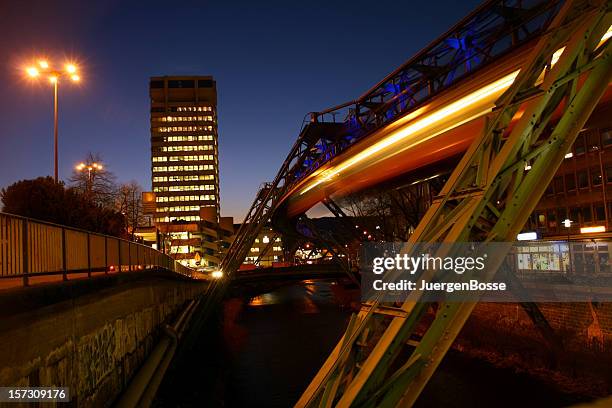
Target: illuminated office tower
184, 165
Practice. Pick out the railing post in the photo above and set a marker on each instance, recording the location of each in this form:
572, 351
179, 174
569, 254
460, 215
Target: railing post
64, 264
129, 257
119, 254
88, 256
105, 254
24, 243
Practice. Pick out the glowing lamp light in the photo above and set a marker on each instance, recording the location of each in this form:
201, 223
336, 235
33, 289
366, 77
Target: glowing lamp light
217, 274
111, 268
527, 236
569, 155
567, 223
53, 79
75, 78
43, 64
32, 71
592, 230
70, 68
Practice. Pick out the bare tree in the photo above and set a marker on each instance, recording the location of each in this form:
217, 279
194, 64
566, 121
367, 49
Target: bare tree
95, 181
129, 202
395, 211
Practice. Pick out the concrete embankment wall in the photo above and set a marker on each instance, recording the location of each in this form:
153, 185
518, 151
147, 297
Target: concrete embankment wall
92, 341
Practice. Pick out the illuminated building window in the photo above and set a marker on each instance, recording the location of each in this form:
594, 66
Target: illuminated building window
184, 168
185, 218
179, 235
191, 188
180, 198
191, 158
182, 118
186, 148
183, 249
189, 177
265, 239
254, 249
183, 128
193, 109
189, 138
179, 208
277, 248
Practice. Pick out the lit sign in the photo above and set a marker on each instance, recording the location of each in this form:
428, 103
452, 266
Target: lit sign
589, 230
527, 236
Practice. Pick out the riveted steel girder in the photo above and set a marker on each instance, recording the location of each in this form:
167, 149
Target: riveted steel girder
488, 198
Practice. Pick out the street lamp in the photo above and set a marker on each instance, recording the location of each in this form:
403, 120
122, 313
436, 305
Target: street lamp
42, 67
567, 223
91, 167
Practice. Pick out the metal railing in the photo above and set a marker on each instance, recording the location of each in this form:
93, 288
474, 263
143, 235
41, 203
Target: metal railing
30, 248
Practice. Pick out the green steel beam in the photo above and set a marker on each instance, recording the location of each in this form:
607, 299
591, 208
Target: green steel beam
487, 198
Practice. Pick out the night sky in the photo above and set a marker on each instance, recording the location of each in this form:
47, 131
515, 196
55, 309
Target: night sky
273, 63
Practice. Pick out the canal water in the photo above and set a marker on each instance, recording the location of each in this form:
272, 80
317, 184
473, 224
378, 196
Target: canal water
264, 351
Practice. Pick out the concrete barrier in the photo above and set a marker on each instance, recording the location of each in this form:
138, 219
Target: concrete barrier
92, 343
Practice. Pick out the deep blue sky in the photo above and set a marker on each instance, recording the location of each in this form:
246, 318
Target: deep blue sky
273, 62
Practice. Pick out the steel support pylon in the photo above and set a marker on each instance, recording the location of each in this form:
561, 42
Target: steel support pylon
488, 198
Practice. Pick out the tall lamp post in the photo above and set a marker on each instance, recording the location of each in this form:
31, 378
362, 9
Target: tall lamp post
567, 223
91, 168
54, 75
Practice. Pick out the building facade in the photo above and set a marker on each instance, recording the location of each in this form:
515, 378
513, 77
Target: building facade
185, 166
578, 201
267, 249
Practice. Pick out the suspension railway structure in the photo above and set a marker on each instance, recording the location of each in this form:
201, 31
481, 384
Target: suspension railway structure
505, 91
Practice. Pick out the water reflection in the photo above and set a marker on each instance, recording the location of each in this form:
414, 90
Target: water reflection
288, 334
271, 346
265, 300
